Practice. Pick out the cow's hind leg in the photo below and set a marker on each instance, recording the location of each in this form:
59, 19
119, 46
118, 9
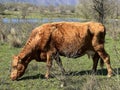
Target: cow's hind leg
106, 58
98, 45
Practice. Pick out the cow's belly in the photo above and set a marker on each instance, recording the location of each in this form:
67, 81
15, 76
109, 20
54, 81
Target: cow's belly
72, 50
78, 53
71, 55
75, 48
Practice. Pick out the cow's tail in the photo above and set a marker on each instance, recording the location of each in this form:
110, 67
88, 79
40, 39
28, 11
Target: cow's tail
101, 63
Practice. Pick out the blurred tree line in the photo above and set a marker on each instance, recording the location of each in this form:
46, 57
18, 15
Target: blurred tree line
87, 9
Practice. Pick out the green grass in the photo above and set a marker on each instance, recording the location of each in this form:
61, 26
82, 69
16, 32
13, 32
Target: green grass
78, 72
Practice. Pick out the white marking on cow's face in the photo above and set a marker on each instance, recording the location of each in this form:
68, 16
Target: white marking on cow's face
90, 53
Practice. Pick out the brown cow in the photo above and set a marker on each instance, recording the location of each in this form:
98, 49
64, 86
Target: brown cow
70, 39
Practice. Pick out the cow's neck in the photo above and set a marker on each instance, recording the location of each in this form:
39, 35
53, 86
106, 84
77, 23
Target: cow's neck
26, 52
25, 58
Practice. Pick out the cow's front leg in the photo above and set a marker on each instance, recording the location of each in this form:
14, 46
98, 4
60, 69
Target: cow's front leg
49, 65
59, 63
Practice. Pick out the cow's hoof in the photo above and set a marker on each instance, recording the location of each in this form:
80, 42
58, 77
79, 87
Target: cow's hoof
63, 84
94, 72
47, 76
109, 75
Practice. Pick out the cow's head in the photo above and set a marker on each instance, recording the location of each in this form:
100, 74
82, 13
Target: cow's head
18, 68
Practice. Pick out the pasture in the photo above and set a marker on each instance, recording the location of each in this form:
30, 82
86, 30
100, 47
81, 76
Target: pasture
78, 72
17, 21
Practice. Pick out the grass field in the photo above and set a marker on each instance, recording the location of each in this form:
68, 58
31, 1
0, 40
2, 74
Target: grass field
77, 72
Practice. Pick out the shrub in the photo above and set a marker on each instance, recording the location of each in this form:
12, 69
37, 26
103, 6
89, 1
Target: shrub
13, 39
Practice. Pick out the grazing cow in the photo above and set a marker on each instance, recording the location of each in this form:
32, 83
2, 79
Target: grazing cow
70, 39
